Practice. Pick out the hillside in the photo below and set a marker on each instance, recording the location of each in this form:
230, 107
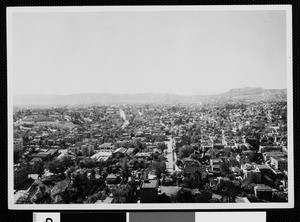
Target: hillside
240, 94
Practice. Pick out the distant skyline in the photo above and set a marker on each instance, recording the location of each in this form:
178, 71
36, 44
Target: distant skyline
178, 52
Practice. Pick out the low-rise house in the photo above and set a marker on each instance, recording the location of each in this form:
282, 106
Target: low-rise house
276, 154
218, 146
264, 149
120, 151
206, 148
82, 173
263, 191
101, 156
112, 178
192, 169
215, 164
129, 151
142, 155
35, 164
46, 156
251, 173
106, 147
278, 163
249, 154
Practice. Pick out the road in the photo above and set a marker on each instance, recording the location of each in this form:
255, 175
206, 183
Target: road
123, 115
171, 157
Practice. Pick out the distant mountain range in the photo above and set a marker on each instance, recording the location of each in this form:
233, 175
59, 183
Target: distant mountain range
240, 94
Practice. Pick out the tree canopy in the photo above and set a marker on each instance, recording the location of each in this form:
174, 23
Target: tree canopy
159, 168
59, 165
185, 151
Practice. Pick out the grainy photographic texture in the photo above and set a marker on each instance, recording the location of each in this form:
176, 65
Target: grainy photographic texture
150, 107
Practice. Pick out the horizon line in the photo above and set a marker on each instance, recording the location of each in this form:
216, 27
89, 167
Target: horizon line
161, 93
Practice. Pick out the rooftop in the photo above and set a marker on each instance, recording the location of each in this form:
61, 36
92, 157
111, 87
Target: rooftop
120, 150
242, 200
104, 145
149, 184
169, 190
262, 187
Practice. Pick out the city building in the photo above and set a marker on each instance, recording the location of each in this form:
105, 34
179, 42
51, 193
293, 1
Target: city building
263, 191
149, 191
278, 163
20, 175
106, 147
87, 150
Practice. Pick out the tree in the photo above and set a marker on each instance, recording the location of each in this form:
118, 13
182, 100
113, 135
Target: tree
41, 196
196, 156
162, 146
93, 173
40, 168
184, 196
224, 167
231, 192
89, 163
277, 183
134, 162
135, 151
233, 161
77, 181
67, 161
215, 153
92, 199
125, 170
178, 121
179, 163
24, 199
203, 197
185, 151
25, 139
55, 166
70, 171
159, 168
154, 156
60, 165
139, 144
175, 175
204, 160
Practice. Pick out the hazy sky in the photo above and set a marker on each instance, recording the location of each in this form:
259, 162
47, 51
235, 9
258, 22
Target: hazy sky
182, 52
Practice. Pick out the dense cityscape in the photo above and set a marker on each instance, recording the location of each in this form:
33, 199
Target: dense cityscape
212, 152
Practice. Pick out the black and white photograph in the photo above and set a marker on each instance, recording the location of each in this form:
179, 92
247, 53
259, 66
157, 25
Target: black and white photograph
150, 107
